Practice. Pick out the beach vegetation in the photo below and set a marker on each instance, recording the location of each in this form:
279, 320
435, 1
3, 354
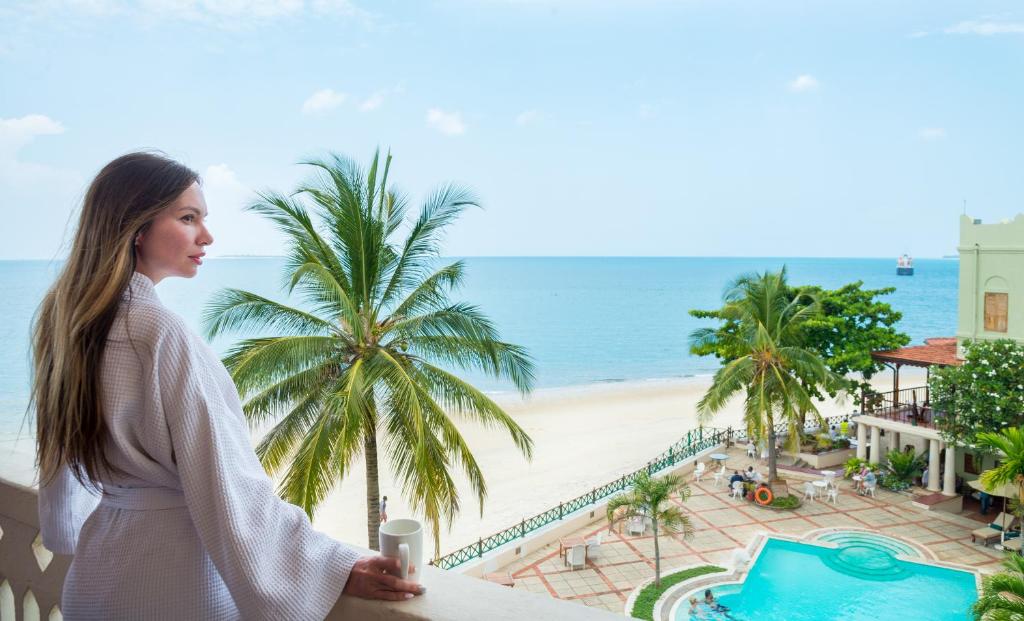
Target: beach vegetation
851, 322
983, 394
770, 366
367, 366
643, 605
651, 498
1002, 594
1009, 443
854, 465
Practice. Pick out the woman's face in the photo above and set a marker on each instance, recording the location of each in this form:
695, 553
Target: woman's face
174, 243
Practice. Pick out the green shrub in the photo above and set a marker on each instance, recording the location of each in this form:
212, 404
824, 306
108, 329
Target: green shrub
903, 466
785, 502
894, 483
854, 464
643, 607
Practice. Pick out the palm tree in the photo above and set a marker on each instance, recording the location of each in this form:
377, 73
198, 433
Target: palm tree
368, 358
1002, 594
1009, 442
650, 498
774, 371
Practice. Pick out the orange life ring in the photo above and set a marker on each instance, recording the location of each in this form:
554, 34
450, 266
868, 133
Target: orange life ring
763, 496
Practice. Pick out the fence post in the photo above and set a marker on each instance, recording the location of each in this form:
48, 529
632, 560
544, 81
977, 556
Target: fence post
559, 510
480, 548
522, 528
701, 430
593, 496
650, 468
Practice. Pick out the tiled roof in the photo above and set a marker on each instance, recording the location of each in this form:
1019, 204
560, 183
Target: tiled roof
939, 351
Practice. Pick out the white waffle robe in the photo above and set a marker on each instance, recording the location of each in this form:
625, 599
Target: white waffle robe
191, 528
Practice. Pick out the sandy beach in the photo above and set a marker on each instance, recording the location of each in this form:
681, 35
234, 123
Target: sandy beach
583, 437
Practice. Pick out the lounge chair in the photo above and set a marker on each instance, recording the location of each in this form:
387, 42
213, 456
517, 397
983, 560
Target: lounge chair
994, 531
576, 556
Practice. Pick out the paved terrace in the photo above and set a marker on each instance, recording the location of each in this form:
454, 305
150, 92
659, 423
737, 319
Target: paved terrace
723, 524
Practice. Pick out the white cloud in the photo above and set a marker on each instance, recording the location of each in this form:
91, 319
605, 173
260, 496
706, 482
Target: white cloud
449, 123
34, 197
527, 117
236, 231
372, 102
932, 133
323, 100
986, 28
229, 14
803, 83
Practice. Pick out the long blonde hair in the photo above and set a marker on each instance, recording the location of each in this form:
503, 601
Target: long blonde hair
75, 317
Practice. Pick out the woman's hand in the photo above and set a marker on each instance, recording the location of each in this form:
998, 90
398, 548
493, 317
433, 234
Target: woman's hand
376, 577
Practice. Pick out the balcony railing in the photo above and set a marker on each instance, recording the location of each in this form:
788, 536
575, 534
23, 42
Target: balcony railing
31, 579
909, 406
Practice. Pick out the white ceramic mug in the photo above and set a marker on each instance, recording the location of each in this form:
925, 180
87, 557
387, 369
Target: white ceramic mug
403, 539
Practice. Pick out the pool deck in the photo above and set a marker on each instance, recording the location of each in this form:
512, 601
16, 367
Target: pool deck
723, 524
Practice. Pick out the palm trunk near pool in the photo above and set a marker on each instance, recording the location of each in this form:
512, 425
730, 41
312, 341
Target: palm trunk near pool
657, 553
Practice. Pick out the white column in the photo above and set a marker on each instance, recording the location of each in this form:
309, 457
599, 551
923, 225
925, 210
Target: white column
862, 440
949, 479
894, 440
933, 465
876, 445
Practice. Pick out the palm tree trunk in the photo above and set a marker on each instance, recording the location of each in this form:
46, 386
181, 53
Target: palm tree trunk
657, 553
372, 492
772, 457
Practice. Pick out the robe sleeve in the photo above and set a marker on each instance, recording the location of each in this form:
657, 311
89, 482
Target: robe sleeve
64, 505
265, 549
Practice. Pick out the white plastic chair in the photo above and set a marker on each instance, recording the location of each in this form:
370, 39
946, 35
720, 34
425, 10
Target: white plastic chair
869, 488
764, 454
576, 556
737, 489
594, 544
833, 494
698, 471
719, 475
830, 478
751, 450
809, 491
636, 525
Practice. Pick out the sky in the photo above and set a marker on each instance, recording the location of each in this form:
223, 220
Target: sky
586, 128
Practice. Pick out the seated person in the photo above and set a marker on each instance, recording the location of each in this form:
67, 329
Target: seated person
749, 474
870, 479
735, 477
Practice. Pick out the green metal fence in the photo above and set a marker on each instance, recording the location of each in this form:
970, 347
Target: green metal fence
693, 443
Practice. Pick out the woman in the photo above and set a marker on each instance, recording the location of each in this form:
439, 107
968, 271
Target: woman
147, 473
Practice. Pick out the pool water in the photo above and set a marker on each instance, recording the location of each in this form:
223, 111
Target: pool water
861, 580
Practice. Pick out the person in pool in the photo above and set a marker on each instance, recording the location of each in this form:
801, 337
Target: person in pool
696, 612
712, 603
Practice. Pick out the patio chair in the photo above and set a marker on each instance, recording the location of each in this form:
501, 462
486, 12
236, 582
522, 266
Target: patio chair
833, 494
594, 544
869, 488
698, 471
994, 531
751, 450
737, 489
809, 491
636, 525
576, 556
719, 475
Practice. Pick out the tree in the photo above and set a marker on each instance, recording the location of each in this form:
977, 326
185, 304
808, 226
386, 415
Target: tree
1002, 594
367, 359
651, 498
852, 324
769, 362
985, 393
1010, 443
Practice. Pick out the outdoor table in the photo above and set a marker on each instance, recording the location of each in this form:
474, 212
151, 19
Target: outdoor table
719, 457
503, 578
567, 542
820, 485
828, 473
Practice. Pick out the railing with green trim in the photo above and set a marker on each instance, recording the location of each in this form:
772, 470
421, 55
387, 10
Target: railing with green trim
694, 443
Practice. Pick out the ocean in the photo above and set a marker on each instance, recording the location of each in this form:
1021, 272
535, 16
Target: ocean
585, 321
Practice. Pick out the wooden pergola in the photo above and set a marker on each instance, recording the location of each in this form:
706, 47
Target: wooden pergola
939, 351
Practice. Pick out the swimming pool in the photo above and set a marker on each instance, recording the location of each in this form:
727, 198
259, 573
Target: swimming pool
861, 579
